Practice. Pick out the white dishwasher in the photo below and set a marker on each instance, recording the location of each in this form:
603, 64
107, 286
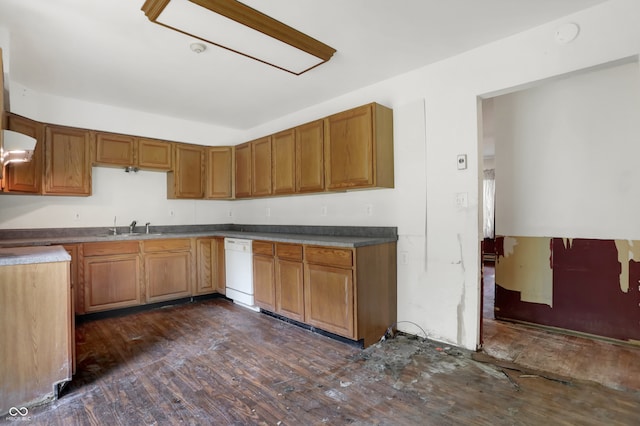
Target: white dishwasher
238, 263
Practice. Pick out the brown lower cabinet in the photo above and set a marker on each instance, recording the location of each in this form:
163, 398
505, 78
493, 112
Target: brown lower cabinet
111, 275
167, 269
210, 266
350, 292
120, 274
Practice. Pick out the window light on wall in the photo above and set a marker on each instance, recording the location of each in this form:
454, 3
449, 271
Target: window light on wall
239, 28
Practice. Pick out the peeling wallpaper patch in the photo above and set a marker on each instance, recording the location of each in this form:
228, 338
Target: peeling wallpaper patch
627, 251
524, 265
595, 285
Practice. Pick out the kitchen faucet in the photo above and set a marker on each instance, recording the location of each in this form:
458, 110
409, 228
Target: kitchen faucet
133, 225
146, 227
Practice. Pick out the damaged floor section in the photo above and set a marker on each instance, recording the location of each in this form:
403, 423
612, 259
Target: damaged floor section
215, 363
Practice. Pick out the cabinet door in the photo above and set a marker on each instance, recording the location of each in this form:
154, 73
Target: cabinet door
219, 176
207, 256
26, 177
349, 149
153, 154
167, 275
261, 167
243, 170
67, 161
310, 157
263, 282
114, 150
187, 180
284, 162
289, 289
111, 282
328, 294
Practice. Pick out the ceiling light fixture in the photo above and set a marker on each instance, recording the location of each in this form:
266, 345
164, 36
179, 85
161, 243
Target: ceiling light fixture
17, 147
258, 36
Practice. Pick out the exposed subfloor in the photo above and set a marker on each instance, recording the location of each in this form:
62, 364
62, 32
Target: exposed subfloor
612, 364
213, 362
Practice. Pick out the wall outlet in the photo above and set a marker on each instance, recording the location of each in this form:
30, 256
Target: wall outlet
404, 258
230, 213
267, 211
323, 211
171, 213
76, 216
369, 209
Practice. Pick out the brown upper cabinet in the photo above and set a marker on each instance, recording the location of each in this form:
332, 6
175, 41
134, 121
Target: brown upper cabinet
261, 167
153, 154
358, 147
187, 178
67, 154
219, 183
114, 150
26, 177
253, 168
123, 150
243, 170
310, 157
283, 155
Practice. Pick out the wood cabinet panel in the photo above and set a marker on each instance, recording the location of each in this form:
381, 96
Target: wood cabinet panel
261, 167
110, 247
219, 172
114, 149
76, 294
289, 251
283, 148
221, 280
289, 277
26, 177
243, 170
263, 282
329, 256
154, 154
67, 153
111, 282
173, 244
262, 247
310, 157
187, 178
329, 299
209, 263
359, 148
167, 275
35, 333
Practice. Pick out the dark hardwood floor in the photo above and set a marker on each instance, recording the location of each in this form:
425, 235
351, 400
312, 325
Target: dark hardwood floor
212, 362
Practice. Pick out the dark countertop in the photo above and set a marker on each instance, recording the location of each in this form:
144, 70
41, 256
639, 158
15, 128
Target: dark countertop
31, 255
335, 236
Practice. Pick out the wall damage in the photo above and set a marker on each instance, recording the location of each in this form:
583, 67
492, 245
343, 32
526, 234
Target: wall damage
594, 285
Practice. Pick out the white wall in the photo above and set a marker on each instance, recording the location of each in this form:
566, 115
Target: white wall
435, 118
567, 157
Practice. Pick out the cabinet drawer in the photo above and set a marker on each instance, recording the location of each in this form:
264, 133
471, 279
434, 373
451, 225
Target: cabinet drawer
329, 256
177, 244
289, 251
112, 247
263, 247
